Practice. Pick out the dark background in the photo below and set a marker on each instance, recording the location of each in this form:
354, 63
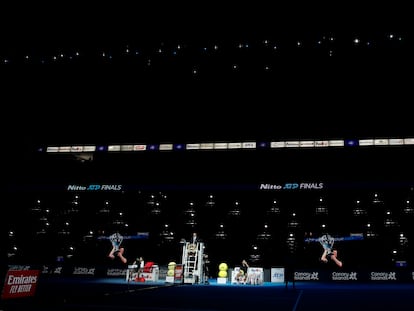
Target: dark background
360, 94
356, 94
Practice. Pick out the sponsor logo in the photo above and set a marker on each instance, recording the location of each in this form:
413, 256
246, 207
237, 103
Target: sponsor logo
344, 276
20, 283
306, 276
116, 272
383, 276
51, 270
140, 147
21, 279
270, 187
57, 270
292, 186
278, 275
83, 271
19, 267
94, 187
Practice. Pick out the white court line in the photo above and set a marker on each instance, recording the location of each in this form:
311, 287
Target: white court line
297, 301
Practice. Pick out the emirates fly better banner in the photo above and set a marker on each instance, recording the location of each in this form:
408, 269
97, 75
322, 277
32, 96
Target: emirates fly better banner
20, 283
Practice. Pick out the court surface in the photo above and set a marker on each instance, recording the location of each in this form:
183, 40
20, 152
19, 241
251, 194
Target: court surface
116, 294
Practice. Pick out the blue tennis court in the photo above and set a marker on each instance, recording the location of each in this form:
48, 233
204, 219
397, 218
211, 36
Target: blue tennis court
116, 294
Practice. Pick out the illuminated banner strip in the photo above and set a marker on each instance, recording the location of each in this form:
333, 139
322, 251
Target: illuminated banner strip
339, 239
293, 144
138, 236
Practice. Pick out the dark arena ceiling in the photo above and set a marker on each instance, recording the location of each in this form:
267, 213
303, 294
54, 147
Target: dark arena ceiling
167, 72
